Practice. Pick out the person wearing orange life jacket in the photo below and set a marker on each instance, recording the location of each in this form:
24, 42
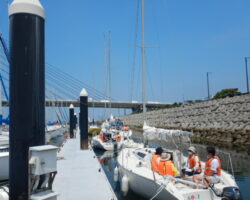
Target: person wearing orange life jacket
193, 165
166, 166
154, 161
212, 170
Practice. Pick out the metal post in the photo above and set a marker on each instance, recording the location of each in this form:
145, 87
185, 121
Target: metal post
27, 90
71, 121
83, 123
144, 84
208, 91
247, 74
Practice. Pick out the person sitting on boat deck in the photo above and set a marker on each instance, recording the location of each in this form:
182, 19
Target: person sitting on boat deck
154, 161
212, 170
166, 166
193, 165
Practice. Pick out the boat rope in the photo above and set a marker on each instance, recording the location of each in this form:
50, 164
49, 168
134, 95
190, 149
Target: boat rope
158, 191
231, 164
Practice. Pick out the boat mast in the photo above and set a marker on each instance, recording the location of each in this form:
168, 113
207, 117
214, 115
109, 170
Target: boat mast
105, 67
144, 84
109, 69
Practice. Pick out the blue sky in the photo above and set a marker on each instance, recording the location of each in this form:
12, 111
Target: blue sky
193, 37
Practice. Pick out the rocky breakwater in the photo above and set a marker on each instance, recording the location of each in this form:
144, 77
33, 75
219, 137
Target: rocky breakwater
222, 122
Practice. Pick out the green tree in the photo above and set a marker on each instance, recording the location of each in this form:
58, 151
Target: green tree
230, 92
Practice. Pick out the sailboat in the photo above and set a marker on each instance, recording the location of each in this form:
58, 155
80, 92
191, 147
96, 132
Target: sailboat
135, 171
108, 138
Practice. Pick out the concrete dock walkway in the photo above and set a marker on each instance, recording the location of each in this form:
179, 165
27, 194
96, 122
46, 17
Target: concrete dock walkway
80, 175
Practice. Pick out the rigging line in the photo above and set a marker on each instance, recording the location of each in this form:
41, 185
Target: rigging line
60, 110
137, 84
63, 85
58, 118
62, 98
66, 113
4, 61
62, 91
3, 70
58, 107
49, 91
54, 107
66, 94
149, 78
73, 79
8, 79
135, 48
74, 82
105, 71
65, 116
109, 67
76, 88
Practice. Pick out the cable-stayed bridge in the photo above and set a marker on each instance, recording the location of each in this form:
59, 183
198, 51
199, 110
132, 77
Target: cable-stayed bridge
100, 104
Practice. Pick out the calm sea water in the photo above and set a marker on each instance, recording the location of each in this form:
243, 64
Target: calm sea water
240, 165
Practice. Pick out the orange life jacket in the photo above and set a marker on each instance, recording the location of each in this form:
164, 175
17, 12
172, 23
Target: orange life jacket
166, 168
208, 166
117, 138
154, 163
102, 137
192, 162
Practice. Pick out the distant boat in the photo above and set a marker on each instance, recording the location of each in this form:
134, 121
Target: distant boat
4, 156
51, 131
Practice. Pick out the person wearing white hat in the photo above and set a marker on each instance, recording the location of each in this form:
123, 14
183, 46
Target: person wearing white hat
193, 165
166, 166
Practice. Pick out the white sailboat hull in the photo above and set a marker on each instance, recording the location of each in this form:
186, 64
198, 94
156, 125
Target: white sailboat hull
145, 187
136, 165
107, 146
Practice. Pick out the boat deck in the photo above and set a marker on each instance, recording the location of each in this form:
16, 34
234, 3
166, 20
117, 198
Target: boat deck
80, 175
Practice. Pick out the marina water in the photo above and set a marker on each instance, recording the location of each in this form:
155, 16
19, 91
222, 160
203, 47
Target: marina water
240, 164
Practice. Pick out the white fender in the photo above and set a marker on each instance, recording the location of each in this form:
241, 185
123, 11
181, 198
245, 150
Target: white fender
124, 185
130, 133
116, 174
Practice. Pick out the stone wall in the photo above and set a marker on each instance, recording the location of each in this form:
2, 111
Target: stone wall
222, 122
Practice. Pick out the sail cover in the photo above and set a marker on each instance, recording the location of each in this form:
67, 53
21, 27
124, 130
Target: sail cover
153, 133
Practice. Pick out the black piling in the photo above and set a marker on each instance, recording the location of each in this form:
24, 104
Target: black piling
75, 121
27, 90
83, 119
71, 121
